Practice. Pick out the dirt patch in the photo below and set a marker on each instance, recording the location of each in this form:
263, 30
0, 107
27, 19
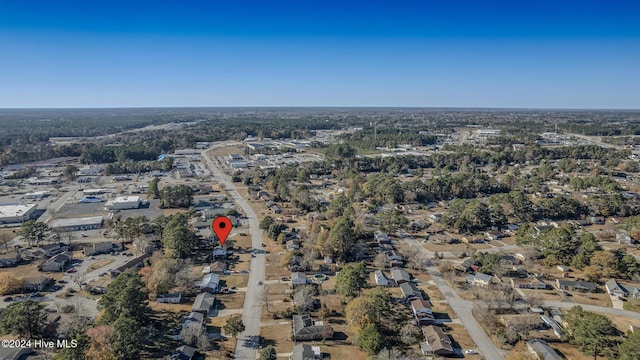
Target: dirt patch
169, 212
279, 336
99, 264
460, 335
226, 150
173, 308
570, 351
232, 301
31, 270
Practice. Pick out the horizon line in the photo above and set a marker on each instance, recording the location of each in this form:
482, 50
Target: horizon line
329, 107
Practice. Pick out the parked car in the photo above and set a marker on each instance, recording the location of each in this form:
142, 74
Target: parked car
72, 270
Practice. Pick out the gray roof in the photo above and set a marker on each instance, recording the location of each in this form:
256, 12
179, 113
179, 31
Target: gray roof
203, 302
408, 289
302, 352
577, 284
543, 350
298, 276
194, 317
484, 277
183, 352
399, 274
83, 221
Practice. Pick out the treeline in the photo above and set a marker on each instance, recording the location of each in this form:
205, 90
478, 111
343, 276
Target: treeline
370, 138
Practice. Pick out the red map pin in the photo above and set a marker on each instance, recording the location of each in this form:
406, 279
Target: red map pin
222, 227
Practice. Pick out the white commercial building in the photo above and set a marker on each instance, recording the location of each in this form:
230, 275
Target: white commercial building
124, 203
16, 213
75, 224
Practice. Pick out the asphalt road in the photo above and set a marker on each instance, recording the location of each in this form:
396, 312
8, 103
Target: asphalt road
462, 308
247, 345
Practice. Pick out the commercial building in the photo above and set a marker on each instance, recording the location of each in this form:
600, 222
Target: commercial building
16, 213
124, 203
76, 224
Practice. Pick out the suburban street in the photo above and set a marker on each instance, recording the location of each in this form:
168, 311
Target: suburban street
462, 308
252, 306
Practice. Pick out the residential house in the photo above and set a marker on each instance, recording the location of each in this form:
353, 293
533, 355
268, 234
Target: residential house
394, 259
381, 237
209, 283
597, 220
469, 265
183, 352
380, 278
292, 245
570, 285
218, 267
422, 311
203, 303
169, 298
98, 248
304, 328
472, 240
410, 292
531, 282
57, 263
480, 279
297, 279
9, 259
400, 276
442, 238
219, 252
305, 352
296, 263
34, 284
624, 238
435, 217
52, 249
301, 300
436, 341
542, 350
615, 289
193, 319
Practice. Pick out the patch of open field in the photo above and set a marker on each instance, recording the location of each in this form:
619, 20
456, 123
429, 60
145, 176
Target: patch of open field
231, 301
226, 150
173, 308
460, 336
31, 270
279, 336
235, 280
169, 212
439, 247
570, 351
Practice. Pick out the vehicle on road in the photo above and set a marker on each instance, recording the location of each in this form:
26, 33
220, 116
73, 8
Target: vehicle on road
72, 271
259, 283
8, 298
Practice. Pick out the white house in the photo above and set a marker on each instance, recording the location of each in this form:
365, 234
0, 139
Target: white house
219, 252
209, 283
169, 298
297, 279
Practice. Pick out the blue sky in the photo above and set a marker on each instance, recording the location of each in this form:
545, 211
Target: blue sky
448, 53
